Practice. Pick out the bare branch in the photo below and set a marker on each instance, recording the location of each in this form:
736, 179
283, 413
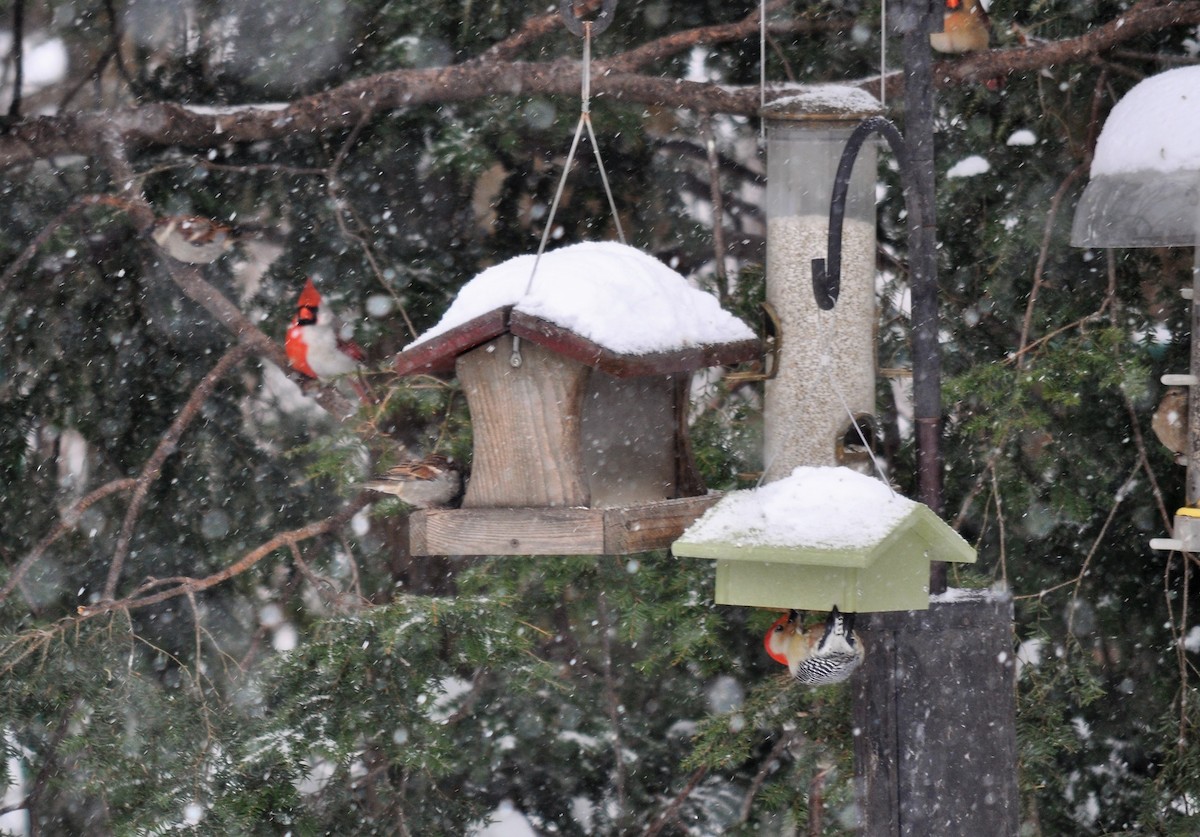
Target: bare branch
166, 446
69, 519
195, 585
340, 108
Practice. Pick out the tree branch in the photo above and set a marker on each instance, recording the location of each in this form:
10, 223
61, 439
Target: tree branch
69, 519
166, 446
340, 108
186, 586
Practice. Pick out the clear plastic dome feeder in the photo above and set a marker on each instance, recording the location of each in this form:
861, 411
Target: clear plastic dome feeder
1145, 192
1145, 179
822, 351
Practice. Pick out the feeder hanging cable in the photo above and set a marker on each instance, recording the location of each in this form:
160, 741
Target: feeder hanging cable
585, 29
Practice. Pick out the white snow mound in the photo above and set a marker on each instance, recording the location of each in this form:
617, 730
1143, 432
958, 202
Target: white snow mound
1154, 127
614, 295
815, 508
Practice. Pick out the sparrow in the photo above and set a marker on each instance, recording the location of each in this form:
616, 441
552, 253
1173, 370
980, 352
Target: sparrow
315, 346
191, 238
432, 482
1170, 422
965, 28
818, 655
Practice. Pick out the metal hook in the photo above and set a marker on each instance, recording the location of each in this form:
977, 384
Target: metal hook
827, 280
575, 24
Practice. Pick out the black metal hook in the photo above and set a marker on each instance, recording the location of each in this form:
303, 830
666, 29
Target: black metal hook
575, 24
827, 282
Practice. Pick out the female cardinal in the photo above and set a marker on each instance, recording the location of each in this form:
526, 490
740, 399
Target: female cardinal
965, 28
315, 347
818, 655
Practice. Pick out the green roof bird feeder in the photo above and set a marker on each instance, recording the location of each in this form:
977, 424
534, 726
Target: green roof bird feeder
823, 536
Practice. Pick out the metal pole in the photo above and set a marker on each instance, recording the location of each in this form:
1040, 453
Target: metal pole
919, 18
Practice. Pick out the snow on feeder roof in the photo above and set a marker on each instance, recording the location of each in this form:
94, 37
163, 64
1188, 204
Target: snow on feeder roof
605, 304
821, 537
578, 384
1145, 178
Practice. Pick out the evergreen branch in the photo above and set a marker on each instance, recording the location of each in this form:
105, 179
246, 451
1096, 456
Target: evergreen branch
195, 585
68, 522
167, 445
764, 770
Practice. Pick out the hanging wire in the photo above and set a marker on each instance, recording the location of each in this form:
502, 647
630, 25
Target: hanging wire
825, 334
883, 53
585, 120
762, 70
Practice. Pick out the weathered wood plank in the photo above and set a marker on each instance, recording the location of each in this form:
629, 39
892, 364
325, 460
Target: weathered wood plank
553, 531
628, 440
527, 426
653, 526
935, 705
507, 532
437, 356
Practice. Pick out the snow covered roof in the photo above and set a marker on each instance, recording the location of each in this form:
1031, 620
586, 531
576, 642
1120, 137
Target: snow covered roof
821, 100
1154, 127
1146, 169
600, 302
829, 508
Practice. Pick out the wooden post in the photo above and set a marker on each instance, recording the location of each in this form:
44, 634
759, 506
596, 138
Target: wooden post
935, 744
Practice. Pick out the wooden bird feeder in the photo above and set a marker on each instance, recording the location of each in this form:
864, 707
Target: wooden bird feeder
579, 447
820, 537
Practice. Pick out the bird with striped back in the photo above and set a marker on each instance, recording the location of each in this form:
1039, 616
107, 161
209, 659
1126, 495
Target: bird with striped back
433, 482
818, 655
316, 347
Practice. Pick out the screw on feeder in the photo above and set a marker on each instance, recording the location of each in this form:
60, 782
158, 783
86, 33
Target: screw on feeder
577, 26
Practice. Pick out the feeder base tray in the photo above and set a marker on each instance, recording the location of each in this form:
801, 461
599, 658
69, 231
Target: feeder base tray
554, 531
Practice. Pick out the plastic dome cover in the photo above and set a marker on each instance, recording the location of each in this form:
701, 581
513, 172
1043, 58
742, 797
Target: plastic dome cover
1145, 179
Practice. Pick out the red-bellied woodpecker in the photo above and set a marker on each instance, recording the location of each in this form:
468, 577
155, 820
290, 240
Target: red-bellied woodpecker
818, 655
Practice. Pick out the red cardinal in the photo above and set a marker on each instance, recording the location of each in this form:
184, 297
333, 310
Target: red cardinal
315, 347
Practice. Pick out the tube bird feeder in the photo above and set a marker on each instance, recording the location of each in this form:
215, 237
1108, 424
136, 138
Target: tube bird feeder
827, 362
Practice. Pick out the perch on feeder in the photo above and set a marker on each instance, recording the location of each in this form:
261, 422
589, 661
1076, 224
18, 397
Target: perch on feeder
576, 367
823, 537
1144, 191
